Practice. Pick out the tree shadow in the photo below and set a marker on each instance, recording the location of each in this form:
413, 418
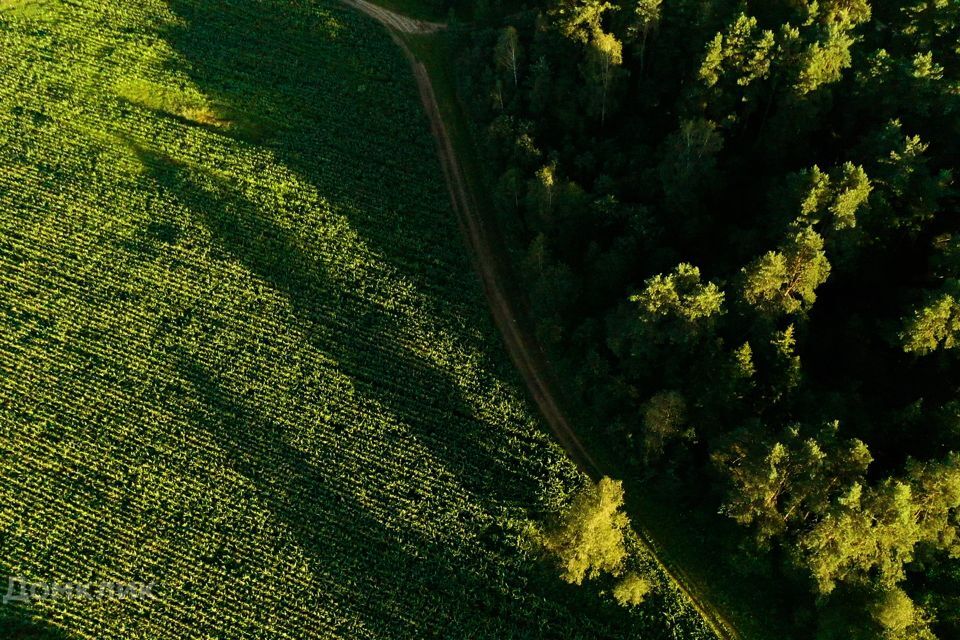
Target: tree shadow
20, 621
320, 113
17, 623
271, 63
336, 103
336, 532
433, 585
400, 584
360, 336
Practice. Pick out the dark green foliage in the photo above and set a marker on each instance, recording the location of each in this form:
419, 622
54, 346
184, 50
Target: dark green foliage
802, 155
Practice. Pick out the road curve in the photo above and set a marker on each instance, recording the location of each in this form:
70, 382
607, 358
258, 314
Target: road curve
395, 21
489, 257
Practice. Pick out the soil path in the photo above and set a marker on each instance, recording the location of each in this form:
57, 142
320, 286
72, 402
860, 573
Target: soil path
490, 260
488, 253
395, 21
524, 352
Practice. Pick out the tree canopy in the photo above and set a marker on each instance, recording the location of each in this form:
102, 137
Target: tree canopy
741, 244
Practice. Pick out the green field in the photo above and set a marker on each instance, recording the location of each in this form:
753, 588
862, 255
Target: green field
243, 354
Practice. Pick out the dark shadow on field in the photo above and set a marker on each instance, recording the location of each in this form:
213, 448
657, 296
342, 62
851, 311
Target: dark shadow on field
339, 536
18, 621
21, 620
353, 332
265, 60
399, 584
271, 61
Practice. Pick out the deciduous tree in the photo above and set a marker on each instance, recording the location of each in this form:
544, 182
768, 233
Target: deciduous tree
793, 479
935, 325
871, 533
664, 419
579, 20
604, 56
507, 52
589, 539
631, 590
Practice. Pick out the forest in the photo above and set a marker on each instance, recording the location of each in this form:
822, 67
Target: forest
737, 222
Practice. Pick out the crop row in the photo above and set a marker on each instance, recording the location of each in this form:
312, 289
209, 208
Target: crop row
242, 352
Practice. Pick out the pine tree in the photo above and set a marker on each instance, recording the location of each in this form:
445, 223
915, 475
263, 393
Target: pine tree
785, 281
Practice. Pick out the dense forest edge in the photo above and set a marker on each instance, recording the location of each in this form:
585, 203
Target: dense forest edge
437, 53
734, 224
592, 532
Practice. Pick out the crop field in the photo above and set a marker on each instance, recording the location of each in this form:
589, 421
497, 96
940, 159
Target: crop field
243, 354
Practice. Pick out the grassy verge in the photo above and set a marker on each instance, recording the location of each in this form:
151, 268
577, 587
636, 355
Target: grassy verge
748, 607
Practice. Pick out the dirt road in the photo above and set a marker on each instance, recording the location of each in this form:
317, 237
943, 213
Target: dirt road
395, 21
526, 355
489, 259
489, 256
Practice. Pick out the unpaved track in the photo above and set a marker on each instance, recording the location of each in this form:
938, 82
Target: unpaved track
395, 21
490, 260
525, 354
